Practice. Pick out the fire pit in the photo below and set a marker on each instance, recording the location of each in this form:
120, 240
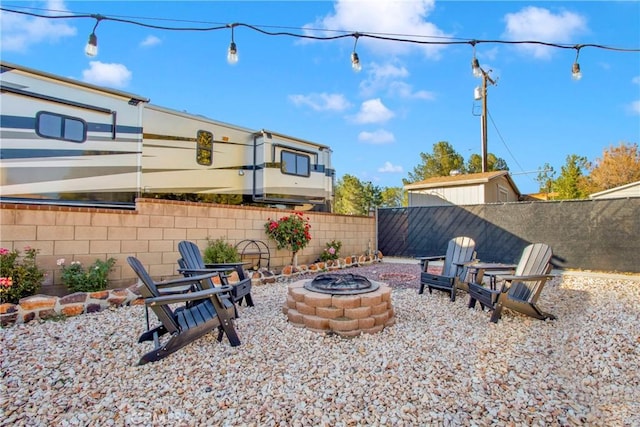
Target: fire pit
341, 284
344, 304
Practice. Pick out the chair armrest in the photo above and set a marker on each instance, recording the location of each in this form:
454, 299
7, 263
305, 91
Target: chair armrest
185, 280
174, 289
531, 278
218, 272
424, 260
507, 280
191, 296
430, 258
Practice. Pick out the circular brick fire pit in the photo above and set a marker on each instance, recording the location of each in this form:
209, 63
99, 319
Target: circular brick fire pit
339, 312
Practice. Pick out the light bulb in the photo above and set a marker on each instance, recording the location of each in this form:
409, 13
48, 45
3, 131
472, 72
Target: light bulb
576, 74
475, 68
91, 49
232, 54
355, 62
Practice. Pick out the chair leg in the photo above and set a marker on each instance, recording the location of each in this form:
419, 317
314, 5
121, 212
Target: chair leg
497, 311
421, 290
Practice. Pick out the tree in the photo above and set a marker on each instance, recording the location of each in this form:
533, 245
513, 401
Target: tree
618, 166
545, 178
572, 184
392, 197
443, 160
349, 198
372, 197
474, 164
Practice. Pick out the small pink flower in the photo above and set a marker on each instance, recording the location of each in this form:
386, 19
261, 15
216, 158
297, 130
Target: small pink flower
332, 250
4, 251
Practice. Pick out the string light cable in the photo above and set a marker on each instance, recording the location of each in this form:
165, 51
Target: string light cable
303, 33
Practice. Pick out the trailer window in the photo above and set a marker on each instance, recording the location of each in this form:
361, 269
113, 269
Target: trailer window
294, 164
204, 150
57, 126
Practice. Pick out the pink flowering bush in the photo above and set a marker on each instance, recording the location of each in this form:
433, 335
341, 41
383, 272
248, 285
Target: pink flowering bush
332, 251
19, 275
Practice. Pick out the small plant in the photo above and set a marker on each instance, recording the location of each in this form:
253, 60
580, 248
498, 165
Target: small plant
218, 251
332, 251
289, 232
19, 276
93, 279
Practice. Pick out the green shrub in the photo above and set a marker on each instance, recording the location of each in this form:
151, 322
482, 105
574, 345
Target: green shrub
93, 279
219, 251
332, 250
19, 276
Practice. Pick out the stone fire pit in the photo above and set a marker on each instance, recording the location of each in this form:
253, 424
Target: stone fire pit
339, 310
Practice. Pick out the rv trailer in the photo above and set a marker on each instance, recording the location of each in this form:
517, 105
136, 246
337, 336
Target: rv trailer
189, 154
64, 141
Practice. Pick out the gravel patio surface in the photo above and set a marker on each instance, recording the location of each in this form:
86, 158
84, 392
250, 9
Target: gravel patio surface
440, 364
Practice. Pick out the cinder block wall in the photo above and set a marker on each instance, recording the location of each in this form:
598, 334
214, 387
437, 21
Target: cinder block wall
152, 233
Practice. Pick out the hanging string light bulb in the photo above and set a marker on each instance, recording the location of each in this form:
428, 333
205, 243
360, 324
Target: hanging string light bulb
355, 59
91, 49
576, 74
232, 52
475, 64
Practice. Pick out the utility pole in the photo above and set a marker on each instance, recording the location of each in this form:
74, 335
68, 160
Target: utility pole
479, 72
483, 123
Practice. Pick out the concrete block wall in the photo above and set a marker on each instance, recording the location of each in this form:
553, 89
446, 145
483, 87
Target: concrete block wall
153, 230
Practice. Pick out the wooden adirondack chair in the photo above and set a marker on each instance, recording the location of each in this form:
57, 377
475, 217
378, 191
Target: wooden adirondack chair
518, 291
460, 251
192, 263
205, 311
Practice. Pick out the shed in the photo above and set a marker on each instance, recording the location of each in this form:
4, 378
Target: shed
628, 190
464, 189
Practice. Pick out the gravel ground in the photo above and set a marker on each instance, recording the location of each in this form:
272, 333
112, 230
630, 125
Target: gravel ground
440, 364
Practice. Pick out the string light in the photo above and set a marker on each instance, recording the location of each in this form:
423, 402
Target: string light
576, 74
232, 53
91, 49
355, 60
475, 65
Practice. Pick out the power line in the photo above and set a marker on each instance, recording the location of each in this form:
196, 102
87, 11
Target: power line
404, 38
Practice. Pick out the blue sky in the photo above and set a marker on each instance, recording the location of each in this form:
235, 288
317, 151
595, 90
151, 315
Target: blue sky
406, 98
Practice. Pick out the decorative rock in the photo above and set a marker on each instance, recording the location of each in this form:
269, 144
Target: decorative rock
38, 302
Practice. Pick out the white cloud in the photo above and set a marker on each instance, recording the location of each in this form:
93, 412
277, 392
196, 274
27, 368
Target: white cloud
539, 24
405, 90
378, 77
113, 75
150, 41
19, 32
321, 101
380, 136
634, 107
390, 17
373, 111
388, 167
389, 78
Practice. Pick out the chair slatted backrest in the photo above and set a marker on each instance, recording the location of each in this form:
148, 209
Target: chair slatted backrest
535, 260
149, 290
191, 256
460, 249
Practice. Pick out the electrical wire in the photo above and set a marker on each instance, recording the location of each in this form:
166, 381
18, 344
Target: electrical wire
404, 38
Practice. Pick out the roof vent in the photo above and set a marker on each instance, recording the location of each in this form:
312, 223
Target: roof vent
454, 172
